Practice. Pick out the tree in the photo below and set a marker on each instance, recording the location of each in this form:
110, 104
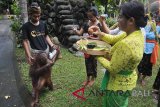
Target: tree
24, 12
111, 6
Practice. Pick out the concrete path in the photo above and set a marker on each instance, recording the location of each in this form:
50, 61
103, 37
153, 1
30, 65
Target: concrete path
12, 91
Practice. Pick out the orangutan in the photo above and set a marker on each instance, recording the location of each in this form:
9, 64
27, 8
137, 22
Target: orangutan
40, 73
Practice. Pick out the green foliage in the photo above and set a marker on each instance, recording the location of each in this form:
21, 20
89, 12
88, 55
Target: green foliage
3, 3
110, 21
101, 9
15, 25
15, 7
111, 6
101, 2
111, 9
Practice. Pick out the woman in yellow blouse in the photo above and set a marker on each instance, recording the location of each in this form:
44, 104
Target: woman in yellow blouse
126, 53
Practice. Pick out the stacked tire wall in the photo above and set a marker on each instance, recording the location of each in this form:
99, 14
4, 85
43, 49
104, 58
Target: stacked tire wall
62, 16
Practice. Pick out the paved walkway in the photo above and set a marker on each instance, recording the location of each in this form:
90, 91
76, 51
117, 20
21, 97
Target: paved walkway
12, 91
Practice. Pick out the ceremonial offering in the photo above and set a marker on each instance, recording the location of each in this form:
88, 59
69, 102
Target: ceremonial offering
93, 47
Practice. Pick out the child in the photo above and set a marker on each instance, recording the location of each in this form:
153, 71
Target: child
90, 61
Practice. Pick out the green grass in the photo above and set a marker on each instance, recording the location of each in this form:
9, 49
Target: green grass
68, 74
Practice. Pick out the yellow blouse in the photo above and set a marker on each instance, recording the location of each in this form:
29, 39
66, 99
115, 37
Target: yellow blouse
126, 54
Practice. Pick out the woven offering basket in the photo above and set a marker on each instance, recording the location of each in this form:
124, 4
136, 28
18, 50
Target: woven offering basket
94, 51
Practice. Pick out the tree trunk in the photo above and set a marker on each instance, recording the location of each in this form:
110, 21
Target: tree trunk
120, 2
24, 13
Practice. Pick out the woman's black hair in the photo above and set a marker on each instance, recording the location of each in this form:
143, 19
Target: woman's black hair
136, 10
94, 11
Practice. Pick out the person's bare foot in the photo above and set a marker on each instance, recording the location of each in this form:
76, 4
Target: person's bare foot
91, 83
143, 83
85, 83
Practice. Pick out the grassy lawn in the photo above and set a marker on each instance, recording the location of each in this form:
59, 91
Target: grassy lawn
68, 74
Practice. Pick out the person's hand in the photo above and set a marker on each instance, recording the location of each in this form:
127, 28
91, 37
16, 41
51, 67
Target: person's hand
107, 56
93, 30
97, 31
53, 47
90, 31
30, 60
102, 19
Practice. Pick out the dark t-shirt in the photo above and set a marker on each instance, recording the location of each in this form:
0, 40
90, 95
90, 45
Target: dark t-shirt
36, 35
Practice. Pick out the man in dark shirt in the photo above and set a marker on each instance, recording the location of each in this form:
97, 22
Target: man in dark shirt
35, 35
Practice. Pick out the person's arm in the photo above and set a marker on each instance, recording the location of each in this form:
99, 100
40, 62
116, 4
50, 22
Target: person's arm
105, 28
26, 44
107, 37
119, 59
112, 39
50, 43
27, 51
53, 47
48, 39
79, 32
158, 30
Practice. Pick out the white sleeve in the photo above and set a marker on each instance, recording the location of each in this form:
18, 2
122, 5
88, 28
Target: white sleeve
144, 34
114, 31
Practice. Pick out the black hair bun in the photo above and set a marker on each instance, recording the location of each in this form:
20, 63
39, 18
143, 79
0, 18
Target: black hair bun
34, 4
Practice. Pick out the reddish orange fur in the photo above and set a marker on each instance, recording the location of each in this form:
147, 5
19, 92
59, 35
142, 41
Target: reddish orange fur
40, 72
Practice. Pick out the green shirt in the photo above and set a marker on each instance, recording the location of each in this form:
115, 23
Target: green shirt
126, 54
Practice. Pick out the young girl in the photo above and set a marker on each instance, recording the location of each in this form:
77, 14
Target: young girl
90, 61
